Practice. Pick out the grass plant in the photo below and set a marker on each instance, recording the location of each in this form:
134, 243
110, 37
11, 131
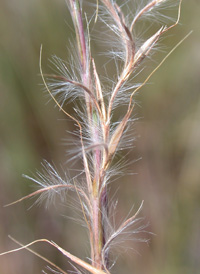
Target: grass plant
96, 102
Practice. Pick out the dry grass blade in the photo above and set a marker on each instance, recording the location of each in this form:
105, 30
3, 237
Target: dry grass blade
142, 12
52, 187
73, 258
39, 255
122, 227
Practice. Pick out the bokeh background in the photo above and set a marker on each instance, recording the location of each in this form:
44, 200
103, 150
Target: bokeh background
168, 140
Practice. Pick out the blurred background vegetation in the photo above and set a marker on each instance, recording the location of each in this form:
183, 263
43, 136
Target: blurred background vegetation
168, 140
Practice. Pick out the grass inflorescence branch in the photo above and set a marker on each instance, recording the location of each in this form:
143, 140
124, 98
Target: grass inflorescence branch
100, 137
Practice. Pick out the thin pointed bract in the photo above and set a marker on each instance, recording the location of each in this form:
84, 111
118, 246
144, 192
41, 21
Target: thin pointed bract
100, 136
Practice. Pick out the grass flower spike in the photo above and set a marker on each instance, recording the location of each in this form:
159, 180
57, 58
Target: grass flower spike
101, 136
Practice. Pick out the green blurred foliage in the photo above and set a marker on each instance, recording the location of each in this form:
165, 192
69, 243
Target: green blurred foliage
31, 130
